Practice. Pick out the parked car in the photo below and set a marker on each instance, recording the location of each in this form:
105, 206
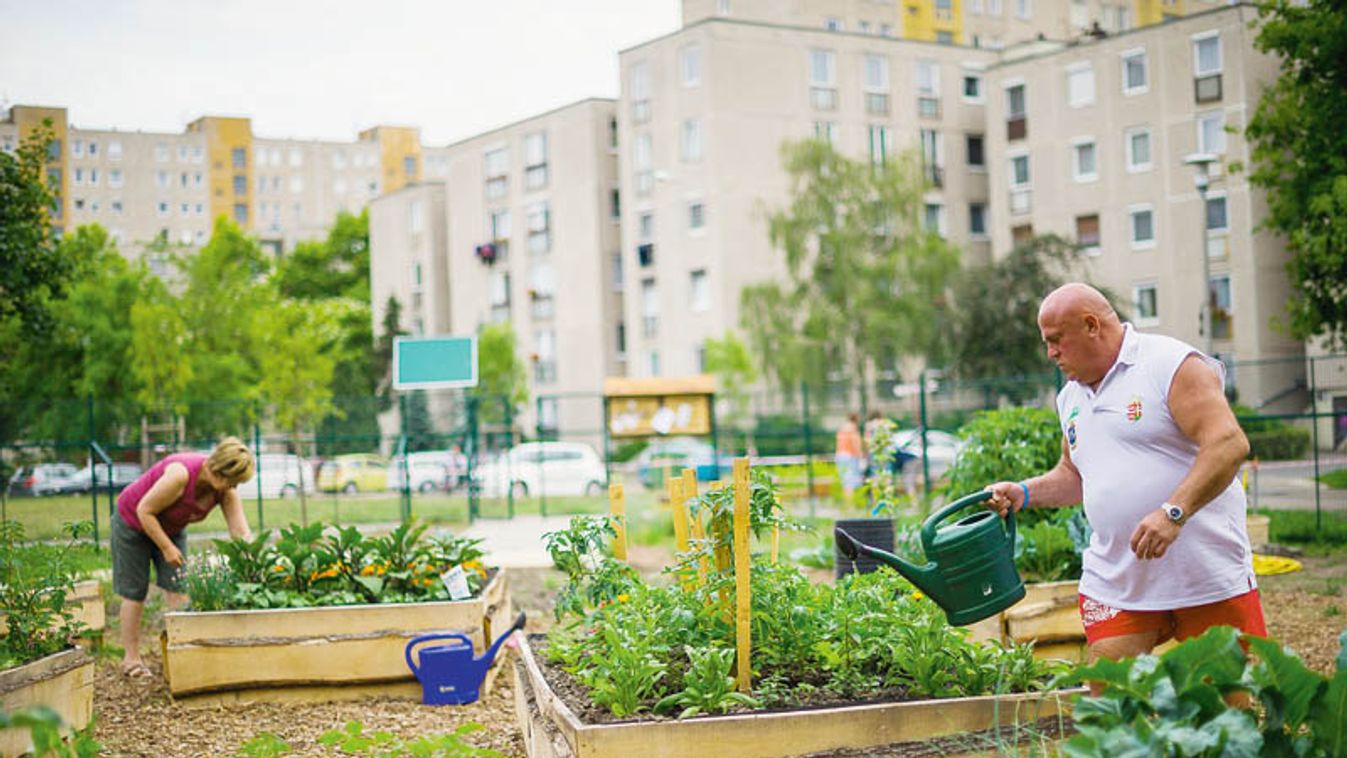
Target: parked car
34, 478
358, 472
279, 475
85, 479
941, 449
543, 468
426, 470
678, 453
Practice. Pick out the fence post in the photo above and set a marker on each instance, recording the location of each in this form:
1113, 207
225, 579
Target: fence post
538, 431
925, 459
1314, 437
509, 429
808, 447
257, 475
405, 501
473, 486
608, 450
93, 476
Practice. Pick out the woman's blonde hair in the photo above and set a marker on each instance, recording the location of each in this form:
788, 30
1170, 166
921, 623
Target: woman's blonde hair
231, 460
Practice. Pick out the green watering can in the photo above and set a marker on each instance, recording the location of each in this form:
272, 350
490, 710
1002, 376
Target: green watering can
970, 570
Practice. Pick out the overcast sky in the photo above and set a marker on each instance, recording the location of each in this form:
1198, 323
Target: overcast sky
318, 69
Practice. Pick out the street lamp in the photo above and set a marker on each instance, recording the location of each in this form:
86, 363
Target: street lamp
1203, 161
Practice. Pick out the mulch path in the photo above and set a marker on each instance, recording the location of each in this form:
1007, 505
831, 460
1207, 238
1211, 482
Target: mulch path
139, 719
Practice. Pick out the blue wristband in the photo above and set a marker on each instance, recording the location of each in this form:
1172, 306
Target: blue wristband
1025, 487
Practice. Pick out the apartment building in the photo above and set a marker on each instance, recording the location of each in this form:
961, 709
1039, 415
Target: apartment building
522, 229
1089, 142
147, 186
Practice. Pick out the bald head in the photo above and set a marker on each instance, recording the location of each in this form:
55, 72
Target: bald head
1082, 332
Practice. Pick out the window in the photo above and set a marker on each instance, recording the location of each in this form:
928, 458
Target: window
863, 27
699, 291
976, 151
161, 179
542, 288
1141, 227
645, 226
114, 150
654, 363
1080, 85
500, 296
1087, 233
995, 8
116, 206
933, 157
1134, 74
1019, 171
1024, 9
115, 177
944, 38
1017, 123
934, 220
886, 30
545, 368
1207, 54
497, 169
1080, 17
241, 213
832, 24
498, 227
1084, 163
644, 162
539, 228
296, 184
723, 7
185, 210
1222, 307
617, 272
93, 149
162, 208
928, 89
692, 140
1144, 305
1217, 218
977, 220
77, 148
78, 176
240, 184
1211, 132
409, 166
1137, 145
972, 88
826, 131
974, 7
823, 79
881, 144
696, 215
690, 65
238, 158
338, 159
876, 84
161, 152
535, 161
296, 158
639, 81
615, 204
416, 217
649, 308
621, 339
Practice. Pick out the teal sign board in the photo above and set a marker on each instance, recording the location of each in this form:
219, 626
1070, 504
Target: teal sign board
421, 363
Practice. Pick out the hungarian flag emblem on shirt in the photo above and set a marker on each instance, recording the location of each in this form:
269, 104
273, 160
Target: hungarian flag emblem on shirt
1134, 410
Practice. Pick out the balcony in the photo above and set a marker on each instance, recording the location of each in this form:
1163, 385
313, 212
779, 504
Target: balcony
1021, 201
823, 98
928, 106
1207, 89
935, 176
1017, 128
876, 103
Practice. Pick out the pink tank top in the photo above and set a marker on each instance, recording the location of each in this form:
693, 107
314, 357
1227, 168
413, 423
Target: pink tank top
177, 516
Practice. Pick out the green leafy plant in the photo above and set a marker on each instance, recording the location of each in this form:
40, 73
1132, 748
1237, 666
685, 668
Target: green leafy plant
318, 565
354, 740
1175, 704
1007, 444
44, 728
707, 685
35, 580
264, 745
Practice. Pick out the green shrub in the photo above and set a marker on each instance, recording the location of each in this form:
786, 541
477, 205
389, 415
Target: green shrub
1006, 444
1285, 443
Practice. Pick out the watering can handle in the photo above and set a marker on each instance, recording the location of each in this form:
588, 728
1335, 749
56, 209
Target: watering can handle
929, 527
416, 670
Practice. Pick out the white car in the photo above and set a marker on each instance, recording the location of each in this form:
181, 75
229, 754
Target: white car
941, 448
279, 475
426, 471
544, 468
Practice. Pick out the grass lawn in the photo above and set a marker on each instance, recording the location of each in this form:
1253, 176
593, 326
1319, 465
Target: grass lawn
1335, 479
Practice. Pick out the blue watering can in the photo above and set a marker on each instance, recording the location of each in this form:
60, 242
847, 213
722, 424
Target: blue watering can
449, 674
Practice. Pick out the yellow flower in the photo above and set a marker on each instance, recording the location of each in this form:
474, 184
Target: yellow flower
916, 595
278, 568
623, 598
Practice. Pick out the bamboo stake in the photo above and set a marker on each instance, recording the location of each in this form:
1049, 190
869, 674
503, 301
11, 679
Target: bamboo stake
695, 527
617, 505
743, 590
680, 514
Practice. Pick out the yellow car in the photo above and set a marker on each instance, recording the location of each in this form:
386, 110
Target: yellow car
360, 472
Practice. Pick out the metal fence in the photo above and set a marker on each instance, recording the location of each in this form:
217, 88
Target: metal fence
369, 462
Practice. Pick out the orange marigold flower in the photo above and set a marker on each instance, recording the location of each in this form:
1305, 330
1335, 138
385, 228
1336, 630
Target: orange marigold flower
278, 568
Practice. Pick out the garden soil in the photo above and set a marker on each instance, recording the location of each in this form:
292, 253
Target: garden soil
1305, 611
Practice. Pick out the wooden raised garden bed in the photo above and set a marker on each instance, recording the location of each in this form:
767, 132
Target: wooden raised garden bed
551, 728
318, 654
63, 682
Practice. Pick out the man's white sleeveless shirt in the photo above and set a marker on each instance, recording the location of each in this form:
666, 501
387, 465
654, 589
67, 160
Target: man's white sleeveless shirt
1131, 456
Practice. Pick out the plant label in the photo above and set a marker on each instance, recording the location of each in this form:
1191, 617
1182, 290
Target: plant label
456, 581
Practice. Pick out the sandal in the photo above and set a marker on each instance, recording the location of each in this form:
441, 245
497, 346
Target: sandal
137, 671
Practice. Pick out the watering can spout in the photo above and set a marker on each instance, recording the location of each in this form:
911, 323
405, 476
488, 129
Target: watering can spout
924, 577
490, 654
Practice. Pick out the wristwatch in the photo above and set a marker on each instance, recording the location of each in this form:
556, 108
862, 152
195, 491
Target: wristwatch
1174, 512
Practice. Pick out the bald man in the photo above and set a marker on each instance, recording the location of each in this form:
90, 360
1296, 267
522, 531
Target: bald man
1151, 447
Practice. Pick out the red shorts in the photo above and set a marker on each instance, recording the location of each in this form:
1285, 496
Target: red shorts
1244, 612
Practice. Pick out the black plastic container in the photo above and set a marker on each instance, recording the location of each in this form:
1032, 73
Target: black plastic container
875, 532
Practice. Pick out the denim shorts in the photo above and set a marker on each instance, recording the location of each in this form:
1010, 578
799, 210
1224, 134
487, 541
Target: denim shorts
132, 554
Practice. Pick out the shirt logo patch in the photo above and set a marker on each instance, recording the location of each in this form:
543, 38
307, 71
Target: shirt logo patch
1134, 409
1071, 433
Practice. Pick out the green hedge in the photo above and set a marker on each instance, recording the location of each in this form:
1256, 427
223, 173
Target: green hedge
1285, 443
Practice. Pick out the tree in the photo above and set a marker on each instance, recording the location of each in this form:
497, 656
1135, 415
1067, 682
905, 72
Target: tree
1300, 158
864, 278
729, 361
335, 267
502, 379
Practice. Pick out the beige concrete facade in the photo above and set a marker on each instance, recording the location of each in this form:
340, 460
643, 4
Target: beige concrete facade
1099, 166
542, 192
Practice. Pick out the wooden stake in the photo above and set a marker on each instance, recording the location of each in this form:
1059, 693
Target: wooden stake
680, 514
743, 591
617, 505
